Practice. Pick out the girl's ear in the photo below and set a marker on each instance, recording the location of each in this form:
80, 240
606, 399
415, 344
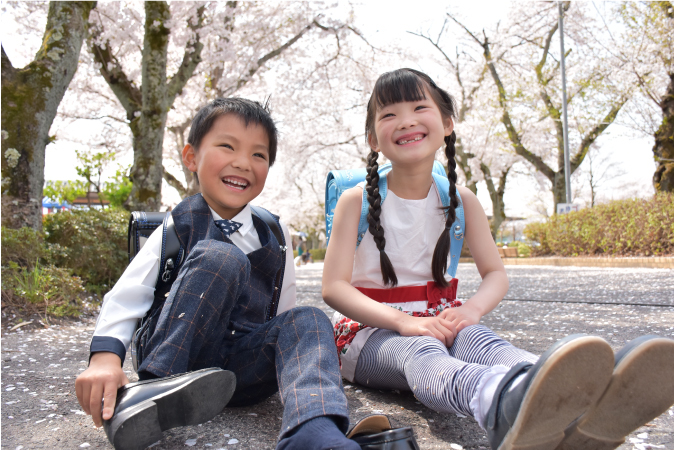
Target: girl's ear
372, 141
449, 126
189, 158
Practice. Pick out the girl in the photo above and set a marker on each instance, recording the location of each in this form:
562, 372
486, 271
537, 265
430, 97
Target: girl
399, 326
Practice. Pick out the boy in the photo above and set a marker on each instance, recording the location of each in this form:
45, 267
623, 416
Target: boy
216, 314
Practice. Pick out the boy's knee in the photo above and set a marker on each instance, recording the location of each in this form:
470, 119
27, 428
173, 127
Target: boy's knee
310, 318
219, 255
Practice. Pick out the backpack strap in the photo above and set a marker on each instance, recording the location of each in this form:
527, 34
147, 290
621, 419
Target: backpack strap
457, 230
272, 222
172, 253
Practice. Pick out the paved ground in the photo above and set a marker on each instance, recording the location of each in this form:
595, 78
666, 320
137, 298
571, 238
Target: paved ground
39, 365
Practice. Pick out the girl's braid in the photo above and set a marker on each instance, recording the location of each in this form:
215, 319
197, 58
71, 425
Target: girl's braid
374, 211
441, 252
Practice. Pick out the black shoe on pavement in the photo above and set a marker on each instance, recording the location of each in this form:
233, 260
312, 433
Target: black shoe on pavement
534, 404
147, 408
641, 388
375, 433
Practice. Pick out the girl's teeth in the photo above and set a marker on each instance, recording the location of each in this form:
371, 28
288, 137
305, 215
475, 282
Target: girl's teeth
418, 138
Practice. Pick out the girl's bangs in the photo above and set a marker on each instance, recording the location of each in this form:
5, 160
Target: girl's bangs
398, 86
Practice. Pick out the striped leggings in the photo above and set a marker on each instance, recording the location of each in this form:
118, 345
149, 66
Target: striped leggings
444, 379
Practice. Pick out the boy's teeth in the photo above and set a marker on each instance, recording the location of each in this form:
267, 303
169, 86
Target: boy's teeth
236, 182
418, 138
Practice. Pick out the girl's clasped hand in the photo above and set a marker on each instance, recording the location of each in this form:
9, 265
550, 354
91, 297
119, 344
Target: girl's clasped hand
438, 349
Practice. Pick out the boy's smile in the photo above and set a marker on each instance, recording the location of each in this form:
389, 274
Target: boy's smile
232, 163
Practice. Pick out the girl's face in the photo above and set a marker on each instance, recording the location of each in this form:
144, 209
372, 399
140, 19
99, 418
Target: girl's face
410, 132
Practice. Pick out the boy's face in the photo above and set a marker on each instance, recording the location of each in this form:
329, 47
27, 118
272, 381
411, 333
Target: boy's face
232, 163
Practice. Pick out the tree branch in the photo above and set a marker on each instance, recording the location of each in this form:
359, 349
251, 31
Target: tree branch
191, 59
466, 29
174, 182
513, 135
587, 141
272, 54
8, 70
435, 44
126, 92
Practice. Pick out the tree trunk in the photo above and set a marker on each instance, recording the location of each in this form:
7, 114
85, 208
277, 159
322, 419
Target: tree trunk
30, 98
663, 150
148, 129
462, 158
191, 187
147, 107
496, 195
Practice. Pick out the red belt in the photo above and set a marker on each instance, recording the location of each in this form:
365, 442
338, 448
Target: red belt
431, 293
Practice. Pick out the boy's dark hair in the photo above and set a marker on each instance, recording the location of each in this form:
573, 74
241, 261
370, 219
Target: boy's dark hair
248, 111
408, 85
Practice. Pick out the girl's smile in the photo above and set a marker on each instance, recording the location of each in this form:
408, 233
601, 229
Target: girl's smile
410, 138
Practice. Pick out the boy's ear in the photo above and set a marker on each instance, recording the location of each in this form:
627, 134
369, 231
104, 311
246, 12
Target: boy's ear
189, 158
372, 141
449, 126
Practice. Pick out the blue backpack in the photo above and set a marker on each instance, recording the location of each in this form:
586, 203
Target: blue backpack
340, 180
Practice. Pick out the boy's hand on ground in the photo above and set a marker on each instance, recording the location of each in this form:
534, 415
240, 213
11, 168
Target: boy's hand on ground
436, 327
462, 316
100, 381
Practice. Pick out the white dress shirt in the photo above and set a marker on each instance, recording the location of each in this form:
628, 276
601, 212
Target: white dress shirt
133, 294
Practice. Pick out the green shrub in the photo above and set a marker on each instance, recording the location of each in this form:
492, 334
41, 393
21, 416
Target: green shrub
522, 248
620, 228
42, 289
318, 254
92, 244
22, 247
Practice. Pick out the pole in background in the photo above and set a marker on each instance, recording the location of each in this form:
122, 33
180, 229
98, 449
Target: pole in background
567, 162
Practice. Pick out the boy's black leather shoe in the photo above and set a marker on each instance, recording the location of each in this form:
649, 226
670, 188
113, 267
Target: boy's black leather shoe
641, 388
147, 408
375, 433
534, 404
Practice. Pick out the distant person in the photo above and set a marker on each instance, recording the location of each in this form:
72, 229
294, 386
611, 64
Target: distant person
399, 325
227, 309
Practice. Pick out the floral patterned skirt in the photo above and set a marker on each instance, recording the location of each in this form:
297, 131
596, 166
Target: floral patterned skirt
346, 329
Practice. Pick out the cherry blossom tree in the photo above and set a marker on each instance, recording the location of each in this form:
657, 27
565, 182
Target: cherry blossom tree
523, 63
162, 62
646, 44
480, 150
30, 98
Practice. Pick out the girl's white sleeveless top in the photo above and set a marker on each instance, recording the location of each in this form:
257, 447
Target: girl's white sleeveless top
411, 230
